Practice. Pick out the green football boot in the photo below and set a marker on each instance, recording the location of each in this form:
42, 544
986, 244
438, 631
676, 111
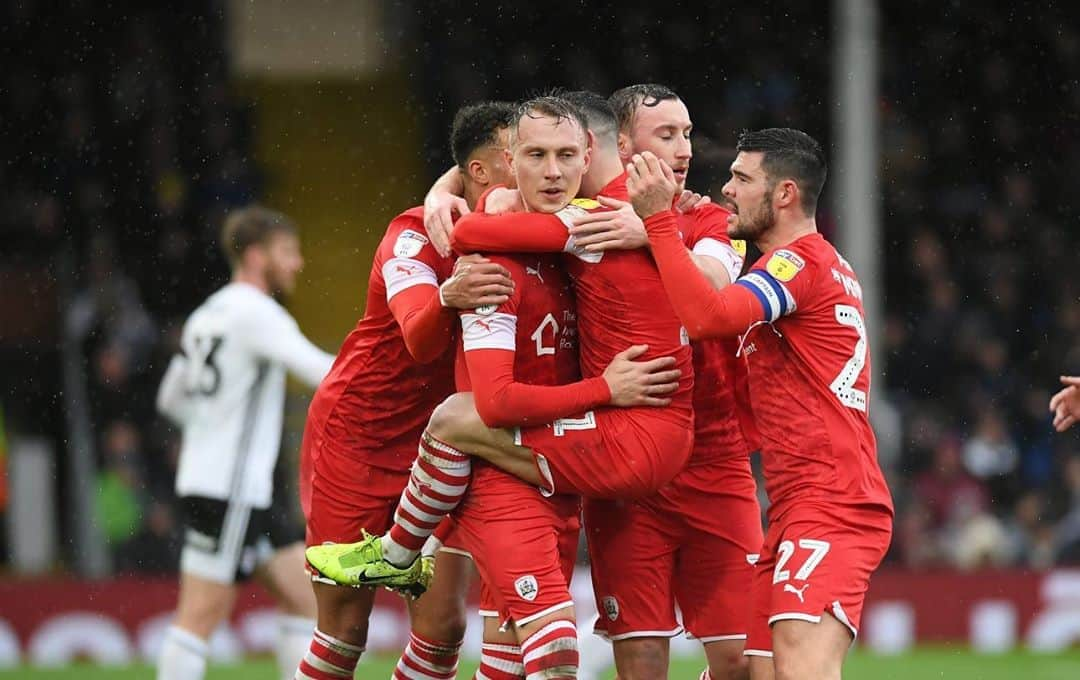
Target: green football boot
362, 564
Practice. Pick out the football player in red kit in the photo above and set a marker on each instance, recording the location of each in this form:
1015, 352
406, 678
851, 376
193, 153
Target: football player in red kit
705, 526
799, 316
365, 417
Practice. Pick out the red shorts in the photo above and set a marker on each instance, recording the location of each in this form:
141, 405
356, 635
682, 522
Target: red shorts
816, 558
694, 543
342, 494
610, 453
522, 543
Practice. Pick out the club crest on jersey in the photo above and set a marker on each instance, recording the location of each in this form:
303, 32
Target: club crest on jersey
409, 243
739, 246
784, 265
611, 607
526, 587
485, 310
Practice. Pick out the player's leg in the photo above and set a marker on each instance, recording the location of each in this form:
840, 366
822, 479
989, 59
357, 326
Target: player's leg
760, 667
500, 653
549, 646
802, 649
215, 535
438, 621
634, 544
283, 576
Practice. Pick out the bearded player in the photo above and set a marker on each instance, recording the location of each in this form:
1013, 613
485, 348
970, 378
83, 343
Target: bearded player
366, 417
800, 317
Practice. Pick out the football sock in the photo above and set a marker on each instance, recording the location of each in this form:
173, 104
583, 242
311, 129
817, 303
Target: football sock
183, 656
294, 637
427, 660
500, 662
439, 478
328, 659
551, 653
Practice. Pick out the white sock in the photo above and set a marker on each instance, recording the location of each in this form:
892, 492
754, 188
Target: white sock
183, 656
293, 640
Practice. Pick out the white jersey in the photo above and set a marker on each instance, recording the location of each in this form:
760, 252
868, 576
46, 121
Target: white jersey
227, 392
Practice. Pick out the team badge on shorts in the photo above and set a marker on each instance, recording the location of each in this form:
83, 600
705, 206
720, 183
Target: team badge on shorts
409, 243
611, 607
526, 587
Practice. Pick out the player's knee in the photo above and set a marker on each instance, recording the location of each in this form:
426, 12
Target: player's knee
642, 659
451, 420
727, 662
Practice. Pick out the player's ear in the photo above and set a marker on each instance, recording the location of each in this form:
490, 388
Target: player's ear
478, 172
588, 152
508, 154
787, 193
624, 148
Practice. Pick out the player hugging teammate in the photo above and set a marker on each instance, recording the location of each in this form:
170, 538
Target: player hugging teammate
575, 380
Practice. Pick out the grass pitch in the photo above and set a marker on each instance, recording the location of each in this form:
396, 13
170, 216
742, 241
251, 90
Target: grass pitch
954, 663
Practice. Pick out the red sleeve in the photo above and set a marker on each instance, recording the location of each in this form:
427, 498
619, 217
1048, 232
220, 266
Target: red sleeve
524, 232
703, 310
426, 326
502, 402
711, 222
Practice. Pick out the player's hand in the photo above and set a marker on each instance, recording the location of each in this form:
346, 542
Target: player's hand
616, 229
476, 281
439, 209
689, 200
1065, 405
503, 200
641, 383
651, 184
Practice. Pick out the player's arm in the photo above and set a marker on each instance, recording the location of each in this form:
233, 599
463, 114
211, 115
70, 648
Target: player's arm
441, 202
705, 311
272, 334
510, 232
172, 400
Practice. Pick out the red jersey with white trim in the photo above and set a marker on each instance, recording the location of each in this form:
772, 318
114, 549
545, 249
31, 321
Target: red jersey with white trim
718, 434
377, 395
809, 367
620, 297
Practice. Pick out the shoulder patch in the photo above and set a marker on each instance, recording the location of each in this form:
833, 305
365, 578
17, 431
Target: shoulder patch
587, 203
784, 265
409, 243
739, 246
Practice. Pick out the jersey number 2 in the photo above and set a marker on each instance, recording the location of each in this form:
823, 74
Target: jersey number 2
843, 386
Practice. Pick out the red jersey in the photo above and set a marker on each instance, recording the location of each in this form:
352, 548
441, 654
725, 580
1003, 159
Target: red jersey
718, 433
620, 297
521, 357
396, 366
799, 311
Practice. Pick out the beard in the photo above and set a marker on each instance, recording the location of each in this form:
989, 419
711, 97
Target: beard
750, 226
279, 283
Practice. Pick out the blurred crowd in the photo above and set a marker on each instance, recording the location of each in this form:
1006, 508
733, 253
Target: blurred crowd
131, 155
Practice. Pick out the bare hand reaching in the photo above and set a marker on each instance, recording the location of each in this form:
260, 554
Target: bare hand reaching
476, 281
651, 184
641, 383
616, 229
439, 209
1065, 405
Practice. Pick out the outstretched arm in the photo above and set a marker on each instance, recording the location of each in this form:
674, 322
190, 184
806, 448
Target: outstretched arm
524, 232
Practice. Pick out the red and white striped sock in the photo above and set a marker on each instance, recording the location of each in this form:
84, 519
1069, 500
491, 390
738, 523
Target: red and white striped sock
439, 478
551, 653
500, 662
427, 660
328, 659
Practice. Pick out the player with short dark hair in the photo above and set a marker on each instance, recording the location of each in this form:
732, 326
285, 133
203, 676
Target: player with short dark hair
366, 417
800, 318
226, 390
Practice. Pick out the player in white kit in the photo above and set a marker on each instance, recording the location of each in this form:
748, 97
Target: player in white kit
226, 390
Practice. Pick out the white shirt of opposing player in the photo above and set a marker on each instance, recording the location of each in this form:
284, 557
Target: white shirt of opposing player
227, 392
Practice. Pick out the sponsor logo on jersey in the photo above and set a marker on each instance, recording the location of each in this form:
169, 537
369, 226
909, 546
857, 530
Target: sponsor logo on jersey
784, 265
586, 203
739, 246
527, 587
404, 269
409, 243
484, 310
611, 607
788, 588
483, 324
